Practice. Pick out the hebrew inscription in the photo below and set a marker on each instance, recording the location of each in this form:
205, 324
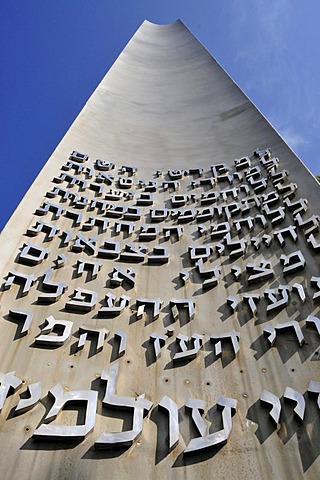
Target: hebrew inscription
149, 287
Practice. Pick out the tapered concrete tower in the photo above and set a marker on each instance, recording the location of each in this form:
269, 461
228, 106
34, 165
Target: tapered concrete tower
159, 303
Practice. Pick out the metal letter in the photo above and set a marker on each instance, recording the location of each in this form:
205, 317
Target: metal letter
8, 381
297, 397
158, 339
292, 262
63, 432
186, 354
271, 332
16, 277
228, 406
102, 334
139, 406
233, 336
172, 408
123, 336
112, 310
25, 317
185, 303
56, 288
46, 339
270, 399
83, 300
26, 404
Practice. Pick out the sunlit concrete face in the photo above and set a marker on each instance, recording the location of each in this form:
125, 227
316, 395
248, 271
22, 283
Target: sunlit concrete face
160, 285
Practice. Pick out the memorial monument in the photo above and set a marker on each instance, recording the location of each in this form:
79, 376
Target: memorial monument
161, 284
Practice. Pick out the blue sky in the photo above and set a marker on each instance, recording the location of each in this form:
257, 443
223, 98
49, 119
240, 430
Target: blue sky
55, 52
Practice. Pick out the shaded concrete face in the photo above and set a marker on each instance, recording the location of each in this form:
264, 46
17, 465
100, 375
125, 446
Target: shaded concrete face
160, 295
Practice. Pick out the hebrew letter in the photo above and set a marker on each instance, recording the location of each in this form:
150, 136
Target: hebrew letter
8, 382
104, 165
50, 230
172, 408
109, 249
63, 432
272, 332
158, 342
113, 310
252, 299
310, 225
119, 276
293, 262
46, 339
188, 354
159, 255
197, 409
186, 303
314, 321
83, 300
26, 404
94, 267
56, 288
233, 302
300, 291
139, 406
101, 333
314, 389
261, 273
218, 337
25, 317
205, 442
79, 157
15, 277
133, 253
291, 230
122, 336
270, 399
155, 303
296, 397
81, 244
270, 294
316, 281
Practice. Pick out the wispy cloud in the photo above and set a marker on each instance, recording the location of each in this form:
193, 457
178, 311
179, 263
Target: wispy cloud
262, 26
294, 139
273, 57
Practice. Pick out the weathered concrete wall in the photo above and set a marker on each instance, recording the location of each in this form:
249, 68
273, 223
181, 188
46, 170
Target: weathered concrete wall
168, 109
